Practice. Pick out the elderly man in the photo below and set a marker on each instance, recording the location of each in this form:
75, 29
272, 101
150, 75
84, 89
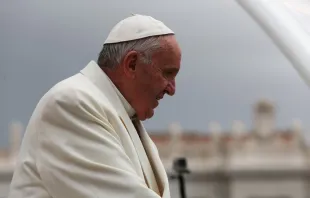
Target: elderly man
85, 138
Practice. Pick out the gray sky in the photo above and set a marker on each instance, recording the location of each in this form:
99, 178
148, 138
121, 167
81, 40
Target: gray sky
228, 61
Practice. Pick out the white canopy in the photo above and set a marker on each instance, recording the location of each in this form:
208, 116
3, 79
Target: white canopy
287, 22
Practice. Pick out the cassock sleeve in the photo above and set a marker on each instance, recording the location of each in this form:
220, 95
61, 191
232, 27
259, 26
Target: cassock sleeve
79, 153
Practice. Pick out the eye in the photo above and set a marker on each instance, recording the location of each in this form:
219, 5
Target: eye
169, 73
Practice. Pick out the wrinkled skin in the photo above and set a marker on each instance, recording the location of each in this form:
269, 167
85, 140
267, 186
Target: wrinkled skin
142, 84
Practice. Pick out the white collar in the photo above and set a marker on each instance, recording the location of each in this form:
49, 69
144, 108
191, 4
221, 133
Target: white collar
129, 109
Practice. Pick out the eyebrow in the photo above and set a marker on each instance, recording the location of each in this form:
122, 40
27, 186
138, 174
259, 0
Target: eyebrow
173, 70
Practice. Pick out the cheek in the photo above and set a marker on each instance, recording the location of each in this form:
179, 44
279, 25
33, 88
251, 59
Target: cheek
159, 87
151, 85
145, 88
158, 83
149, 82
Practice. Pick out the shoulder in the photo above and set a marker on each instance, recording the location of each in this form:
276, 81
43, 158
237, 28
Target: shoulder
71, 91
75, 94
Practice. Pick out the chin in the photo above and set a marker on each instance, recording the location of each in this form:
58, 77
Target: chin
151, 114
147, 114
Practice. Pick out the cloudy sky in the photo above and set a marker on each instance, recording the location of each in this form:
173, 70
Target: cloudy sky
228, 61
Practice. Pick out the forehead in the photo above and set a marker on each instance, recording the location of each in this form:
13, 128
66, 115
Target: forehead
169, 56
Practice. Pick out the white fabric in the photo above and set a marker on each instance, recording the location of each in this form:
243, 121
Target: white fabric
287, 22
130, 111
81, 143
137, 27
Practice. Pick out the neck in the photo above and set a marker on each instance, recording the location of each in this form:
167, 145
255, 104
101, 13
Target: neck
120, 84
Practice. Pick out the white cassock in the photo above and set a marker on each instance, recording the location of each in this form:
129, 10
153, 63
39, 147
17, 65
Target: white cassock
81, 143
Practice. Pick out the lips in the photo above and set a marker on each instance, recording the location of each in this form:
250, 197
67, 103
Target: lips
160, 97
157, 100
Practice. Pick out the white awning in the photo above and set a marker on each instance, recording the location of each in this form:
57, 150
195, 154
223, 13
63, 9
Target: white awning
287, 22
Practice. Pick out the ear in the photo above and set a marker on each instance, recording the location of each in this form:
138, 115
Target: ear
129, 63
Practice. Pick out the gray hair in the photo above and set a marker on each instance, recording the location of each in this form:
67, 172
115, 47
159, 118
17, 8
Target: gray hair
111, 55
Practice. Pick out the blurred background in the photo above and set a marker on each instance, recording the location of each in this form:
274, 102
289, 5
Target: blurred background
240, 115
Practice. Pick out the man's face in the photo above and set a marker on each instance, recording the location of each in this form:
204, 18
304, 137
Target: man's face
153, 81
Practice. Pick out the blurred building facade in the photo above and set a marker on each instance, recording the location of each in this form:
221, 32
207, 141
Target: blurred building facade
259, 163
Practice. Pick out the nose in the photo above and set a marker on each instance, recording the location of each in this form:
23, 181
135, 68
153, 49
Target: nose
170, 89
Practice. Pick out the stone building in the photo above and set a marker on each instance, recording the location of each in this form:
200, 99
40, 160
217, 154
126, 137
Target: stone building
259, 163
